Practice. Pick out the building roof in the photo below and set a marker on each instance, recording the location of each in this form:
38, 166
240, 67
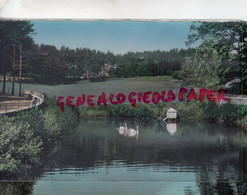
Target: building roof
171, 110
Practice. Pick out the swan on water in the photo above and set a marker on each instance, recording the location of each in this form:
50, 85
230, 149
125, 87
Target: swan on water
122, 129
133, 132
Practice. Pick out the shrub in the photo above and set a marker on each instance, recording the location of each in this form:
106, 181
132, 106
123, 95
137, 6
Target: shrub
211, 111
229, 113
57, 122
190, 110
22, 136
156, 110
244, 120
175, 74
143, 112
18, 146
122, 110
242, 109
35, 119
51, 122
204, 69
50, 102
69, 119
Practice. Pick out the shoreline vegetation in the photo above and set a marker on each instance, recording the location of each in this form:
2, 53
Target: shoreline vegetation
26, 135
227, 114
33, 131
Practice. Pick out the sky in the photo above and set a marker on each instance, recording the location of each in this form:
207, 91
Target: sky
117, 37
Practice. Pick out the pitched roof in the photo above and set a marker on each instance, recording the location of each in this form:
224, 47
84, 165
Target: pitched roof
171, 110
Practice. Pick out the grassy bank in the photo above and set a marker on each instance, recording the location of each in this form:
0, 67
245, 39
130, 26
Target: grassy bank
229, 114
152, 78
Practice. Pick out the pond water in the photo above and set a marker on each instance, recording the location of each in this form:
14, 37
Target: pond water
190, 157
187, 158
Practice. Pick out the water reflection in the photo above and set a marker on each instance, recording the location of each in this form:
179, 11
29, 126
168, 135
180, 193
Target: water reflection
198, 159
13, 188
171, 128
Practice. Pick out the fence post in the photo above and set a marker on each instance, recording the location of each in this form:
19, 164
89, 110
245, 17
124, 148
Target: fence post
6, 108
18, 105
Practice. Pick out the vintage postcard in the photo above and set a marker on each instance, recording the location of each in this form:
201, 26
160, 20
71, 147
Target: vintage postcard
123, 107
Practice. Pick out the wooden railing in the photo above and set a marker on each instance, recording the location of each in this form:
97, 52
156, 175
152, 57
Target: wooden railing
32, 99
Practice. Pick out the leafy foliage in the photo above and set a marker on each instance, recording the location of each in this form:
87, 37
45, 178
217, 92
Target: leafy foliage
80, 60
58, 122
175, 74
155, 63
228, 113
143, 112
23, 136
190, 110
132, 64
49, 64
36, 120
205, 69
211, 111
18, 146
242, 110
229, 40
12, 35
122, 110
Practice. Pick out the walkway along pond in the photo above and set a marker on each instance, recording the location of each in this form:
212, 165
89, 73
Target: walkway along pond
32, 99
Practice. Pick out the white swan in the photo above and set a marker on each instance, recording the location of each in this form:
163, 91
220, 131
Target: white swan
122, 129
133, 132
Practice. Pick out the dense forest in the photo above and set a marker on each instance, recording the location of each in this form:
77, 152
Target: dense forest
131, 64
220, 58
46, 62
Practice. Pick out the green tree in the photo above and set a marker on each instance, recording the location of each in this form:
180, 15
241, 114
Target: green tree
204, 69
52, 65
69, 55
12, 35
229, 38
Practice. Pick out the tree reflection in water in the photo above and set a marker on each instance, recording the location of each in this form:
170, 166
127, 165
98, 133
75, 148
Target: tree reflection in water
14, 188
211, 152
